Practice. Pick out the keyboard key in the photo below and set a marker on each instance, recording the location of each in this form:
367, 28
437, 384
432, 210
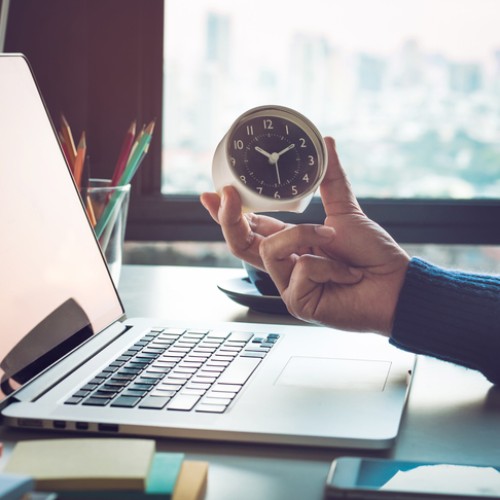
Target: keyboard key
241, 336
169, 387
193, 392
227, 358
239, 371
183, 402
96, 402
162, 393
235, 349
192, 385
253, 354
134, 393
195, 359
125, 401
154, 402
223, 395
217, 401
203, 408
73, 401
217, 335
227, 388
81, 394
213, 369
202, 379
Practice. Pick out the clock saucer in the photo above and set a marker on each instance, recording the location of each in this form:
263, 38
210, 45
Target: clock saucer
242, 291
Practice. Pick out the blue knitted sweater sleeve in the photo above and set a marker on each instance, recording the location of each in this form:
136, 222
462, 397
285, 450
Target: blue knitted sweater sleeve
451, 315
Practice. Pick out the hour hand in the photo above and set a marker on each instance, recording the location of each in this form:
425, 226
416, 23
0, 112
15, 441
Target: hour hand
263, 152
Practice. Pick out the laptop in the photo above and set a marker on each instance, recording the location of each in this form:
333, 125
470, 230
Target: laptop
71, 360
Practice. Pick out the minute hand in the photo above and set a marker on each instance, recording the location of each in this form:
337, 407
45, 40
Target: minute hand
285, 150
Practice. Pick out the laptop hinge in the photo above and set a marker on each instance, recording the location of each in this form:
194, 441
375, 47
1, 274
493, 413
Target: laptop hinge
51, 376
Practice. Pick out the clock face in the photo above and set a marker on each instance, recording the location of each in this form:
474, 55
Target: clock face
275, 157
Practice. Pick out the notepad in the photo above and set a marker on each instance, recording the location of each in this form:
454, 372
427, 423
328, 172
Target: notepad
84, 464
192, 481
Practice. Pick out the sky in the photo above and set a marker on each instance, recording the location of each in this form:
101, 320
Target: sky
462, 30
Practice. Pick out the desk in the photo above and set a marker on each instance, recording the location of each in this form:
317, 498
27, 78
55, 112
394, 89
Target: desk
453, 414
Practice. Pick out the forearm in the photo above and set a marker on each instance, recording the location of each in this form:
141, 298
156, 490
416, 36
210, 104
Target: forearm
450, 315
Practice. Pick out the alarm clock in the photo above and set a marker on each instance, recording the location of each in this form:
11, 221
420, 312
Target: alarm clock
275, 158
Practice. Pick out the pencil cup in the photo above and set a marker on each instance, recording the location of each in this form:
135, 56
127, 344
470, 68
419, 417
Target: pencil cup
107, 208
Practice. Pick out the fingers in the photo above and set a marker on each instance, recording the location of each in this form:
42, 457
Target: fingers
211, 201
335, 189
282, 252
242, 232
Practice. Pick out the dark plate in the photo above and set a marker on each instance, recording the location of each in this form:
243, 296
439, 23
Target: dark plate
242, 291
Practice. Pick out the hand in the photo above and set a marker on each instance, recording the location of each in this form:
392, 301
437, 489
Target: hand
288, 148
346, 273
263, 152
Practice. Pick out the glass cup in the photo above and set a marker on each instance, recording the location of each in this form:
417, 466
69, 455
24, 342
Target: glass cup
109, 203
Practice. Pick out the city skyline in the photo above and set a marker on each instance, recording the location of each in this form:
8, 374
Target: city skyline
370, 100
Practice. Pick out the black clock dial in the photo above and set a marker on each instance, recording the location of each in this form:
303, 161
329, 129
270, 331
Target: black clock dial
274, 157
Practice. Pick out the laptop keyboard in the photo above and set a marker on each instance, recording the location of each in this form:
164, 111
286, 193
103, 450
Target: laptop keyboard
178, 370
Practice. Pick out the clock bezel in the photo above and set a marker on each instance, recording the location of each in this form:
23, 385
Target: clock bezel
224, 173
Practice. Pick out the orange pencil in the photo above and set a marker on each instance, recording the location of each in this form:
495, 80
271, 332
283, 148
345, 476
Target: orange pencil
65, 149
128, 141
68, 140
90, 212
80, 159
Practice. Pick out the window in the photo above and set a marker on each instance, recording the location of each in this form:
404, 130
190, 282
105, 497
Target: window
409, 89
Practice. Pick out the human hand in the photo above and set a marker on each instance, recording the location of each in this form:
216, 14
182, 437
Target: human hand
242, 232
347, 273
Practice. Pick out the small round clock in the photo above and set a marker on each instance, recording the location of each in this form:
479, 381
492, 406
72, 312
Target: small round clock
274, 156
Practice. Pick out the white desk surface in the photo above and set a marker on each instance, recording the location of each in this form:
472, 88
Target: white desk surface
453, 414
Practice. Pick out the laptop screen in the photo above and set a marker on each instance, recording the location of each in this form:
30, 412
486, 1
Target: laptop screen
56, 290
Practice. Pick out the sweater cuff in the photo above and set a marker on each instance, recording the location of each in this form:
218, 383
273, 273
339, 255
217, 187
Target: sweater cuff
450, 315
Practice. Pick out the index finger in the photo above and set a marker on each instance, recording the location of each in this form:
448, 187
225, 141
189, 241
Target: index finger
335, 189
280, 252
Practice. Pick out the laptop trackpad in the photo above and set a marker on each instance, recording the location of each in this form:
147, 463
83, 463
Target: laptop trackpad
335, 373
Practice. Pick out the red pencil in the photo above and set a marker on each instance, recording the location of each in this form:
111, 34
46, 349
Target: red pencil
128, 141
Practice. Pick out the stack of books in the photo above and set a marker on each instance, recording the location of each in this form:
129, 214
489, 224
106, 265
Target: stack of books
107, 468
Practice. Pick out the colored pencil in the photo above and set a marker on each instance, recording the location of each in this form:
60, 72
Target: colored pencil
137, 154
80, 160
135, 159
68, 140
127, 144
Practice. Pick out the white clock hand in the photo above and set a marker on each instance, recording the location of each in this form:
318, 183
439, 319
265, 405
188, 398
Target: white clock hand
285, 150
261, 151
277, 171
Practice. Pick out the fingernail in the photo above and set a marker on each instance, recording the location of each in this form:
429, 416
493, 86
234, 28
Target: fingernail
324, 231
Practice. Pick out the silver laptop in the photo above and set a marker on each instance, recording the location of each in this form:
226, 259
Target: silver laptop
72, 361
